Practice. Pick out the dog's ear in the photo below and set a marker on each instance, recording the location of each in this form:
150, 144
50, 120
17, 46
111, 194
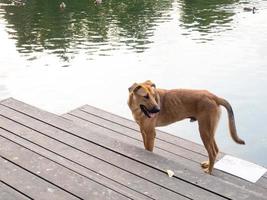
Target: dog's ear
137, 89
141, 91
148, 82
133, 87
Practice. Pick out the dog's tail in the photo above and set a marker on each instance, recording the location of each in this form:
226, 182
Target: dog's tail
231, 120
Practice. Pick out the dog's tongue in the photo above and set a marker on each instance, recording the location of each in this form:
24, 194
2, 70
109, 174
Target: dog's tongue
152, 115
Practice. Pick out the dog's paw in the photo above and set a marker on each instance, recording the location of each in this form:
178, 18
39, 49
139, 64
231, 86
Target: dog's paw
207, 171
205, 164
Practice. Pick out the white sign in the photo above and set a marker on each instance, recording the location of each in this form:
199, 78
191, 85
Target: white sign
240, 168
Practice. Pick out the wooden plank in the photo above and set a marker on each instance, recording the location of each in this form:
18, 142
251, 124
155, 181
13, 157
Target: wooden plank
205, 182
8, 193
161, 144
169, 138
20, 117
89, 148
29, 184
56, 174
101, 114
72, 165
116, 132
160, 180
86, 154
262, 181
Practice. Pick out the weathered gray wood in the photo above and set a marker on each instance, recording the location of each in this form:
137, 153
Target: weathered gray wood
74, 166
169, 138
8, 193
161, 144
108, 163
131, 124
1, 109
262, 182
29, 184
203, 181
56, 174
127, 123
116, 132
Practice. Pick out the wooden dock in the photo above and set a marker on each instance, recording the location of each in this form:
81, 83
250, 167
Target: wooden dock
92, 154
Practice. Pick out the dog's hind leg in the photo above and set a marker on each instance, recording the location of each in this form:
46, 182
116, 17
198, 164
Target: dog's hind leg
207, 128
208, 165
216, 147
205, 164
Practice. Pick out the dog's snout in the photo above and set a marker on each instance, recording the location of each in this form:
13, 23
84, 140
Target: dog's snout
155, 109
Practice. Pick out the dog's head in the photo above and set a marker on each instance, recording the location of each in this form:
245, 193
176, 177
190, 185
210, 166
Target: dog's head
145, 96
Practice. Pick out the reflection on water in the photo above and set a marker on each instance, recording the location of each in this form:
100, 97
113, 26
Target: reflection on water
206, 18
41, 26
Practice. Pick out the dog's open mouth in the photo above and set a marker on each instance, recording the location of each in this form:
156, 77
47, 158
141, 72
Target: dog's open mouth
149, 113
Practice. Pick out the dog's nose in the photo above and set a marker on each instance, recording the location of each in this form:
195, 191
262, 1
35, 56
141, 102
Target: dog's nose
155, 109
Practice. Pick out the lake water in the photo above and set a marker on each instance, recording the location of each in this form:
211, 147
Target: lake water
59, 59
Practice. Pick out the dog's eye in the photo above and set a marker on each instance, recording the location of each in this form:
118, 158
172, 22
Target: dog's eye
146, 97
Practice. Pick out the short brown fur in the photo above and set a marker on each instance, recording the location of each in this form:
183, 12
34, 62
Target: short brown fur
153, 107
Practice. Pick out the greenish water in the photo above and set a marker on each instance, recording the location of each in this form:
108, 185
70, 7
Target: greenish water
59, 59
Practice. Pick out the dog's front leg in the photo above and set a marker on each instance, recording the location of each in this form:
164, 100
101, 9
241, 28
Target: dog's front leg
149, 135
143, 136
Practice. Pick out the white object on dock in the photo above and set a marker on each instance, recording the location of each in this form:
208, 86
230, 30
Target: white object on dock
170, 172
240, 168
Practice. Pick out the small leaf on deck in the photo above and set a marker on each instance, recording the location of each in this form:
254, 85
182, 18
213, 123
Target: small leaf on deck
170, 173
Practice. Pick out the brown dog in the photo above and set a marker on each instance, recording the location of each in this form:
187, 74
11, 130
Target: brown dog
153, 107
